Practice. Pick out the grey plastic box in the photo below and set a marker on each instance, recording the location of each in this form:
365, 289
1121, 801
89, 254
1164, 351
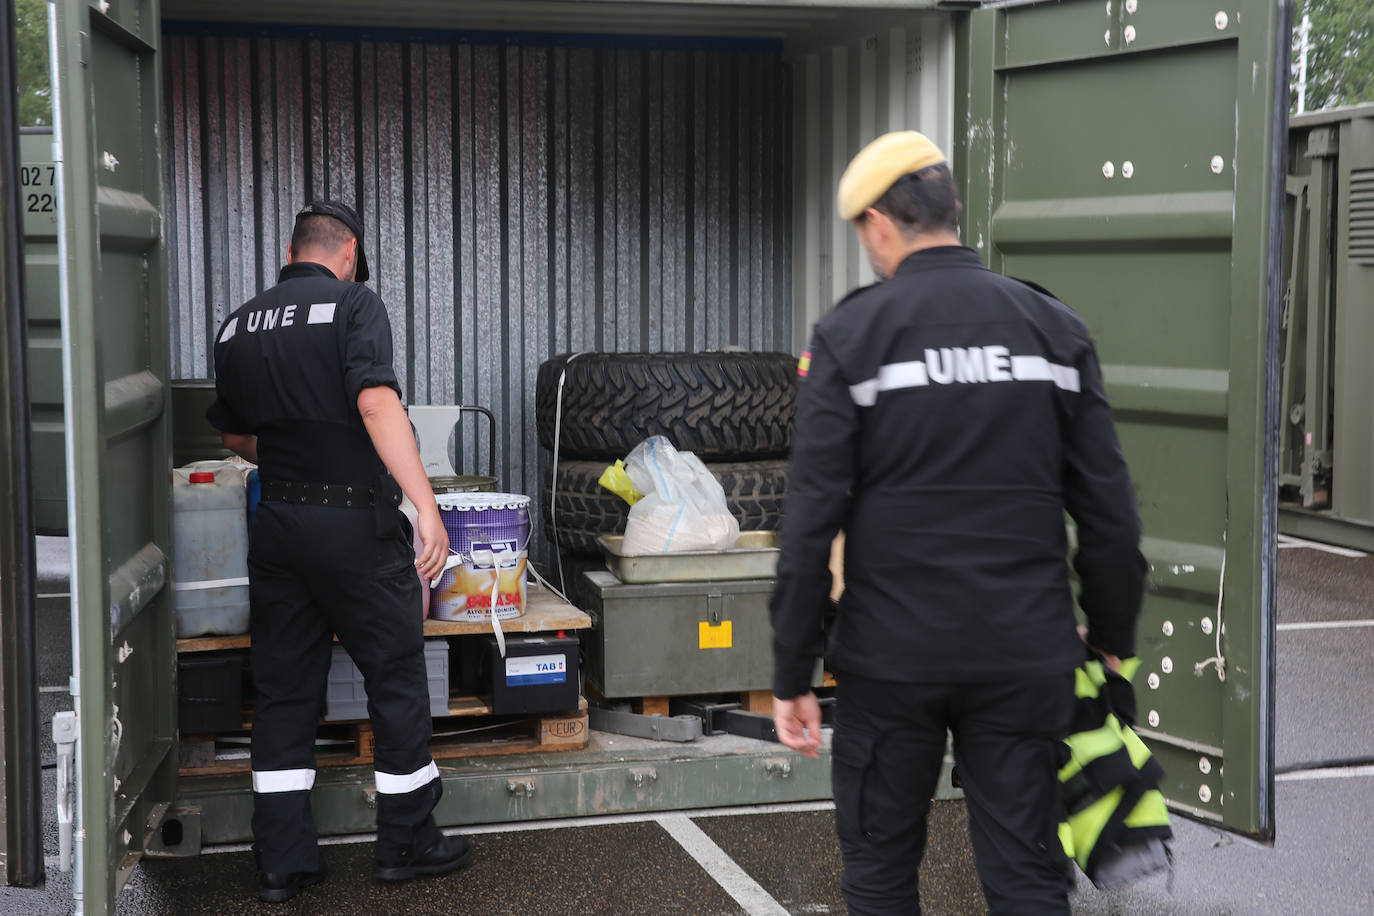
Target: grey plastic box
667, 639
347, 698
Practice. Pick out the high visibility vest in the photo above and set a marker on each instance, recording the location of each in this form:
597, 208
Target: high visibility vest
1115, 821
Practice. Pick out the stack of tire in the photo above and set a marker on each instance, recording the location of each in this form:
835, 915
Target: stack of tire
733, 409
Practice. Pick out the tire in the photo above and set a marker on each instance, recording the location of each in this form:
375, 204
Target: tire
723, 406
753, 491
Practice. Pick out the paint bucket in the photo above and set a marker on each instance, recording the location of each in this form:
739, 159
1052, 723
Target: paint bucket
490, 532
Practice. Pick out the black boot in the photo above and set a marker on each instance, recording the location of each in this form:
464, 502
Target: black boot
276, 887
450, 853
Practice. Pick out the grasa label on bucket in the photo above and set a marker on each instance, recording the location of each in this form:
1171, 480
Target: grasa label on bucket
536, 669
464, 592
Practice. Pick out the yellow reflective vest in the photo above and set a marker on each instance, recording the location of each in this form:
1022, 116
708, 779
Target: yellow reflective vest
1116, 822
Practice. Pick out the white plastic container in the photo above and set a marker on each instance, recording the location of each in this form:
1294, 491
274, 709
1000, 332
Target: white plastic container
210, 545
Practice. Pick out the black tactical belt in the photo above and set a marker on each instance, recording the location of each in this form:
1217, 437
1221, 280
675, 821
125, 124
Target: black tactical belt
343, 496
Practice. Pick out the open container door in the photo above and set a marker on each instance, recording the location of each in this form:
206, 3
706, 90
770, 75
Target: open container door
107, 86
1128, 155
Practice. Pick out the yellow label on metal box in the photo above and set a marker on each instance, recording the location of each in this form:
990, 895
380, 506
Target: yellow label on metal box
715, 636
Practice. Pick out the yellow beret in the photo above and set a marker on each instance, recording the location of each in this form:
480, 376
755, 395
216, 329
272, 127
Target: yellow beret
879, 165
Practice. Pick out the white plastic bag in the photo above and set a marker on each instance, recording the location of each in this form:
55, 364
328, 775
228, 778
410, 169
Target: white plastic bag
683, 507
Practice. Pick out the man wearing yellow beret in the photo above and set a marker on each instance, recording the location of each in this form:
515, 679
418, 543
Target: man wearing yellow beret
948, 418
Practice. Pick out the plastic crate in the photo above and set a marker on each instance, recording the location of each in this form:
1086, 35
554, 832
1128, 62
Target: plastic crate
347, 698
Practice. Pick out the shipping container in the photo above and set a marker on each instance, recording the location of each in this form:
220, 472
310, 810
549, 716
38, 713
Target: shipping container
1327, 459
538, 177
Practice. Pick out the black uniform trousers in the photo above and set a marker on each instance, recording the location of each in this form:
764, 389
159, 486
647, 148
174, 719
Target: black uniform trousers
317, 571
888, 748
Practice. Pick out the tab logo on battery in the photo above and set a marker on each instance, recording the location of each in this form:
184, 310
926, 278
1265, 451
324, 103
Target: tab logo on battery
536, 669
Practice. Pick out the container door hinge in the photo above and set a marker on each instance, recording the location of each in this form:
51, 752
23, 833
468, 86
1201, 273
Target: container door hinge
779, 769
64, 735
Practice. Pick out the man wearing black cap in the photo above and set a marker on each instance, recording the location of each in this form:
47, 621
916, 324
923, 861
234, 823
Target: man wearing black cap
947, 418
306, 390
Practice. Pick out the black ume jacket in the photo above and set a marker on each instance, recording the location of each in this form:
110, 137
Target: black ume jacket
947, 419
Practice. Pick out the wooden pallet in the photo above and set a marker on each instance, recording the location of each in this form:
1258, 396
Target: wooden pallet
544, 613
758, 701
470, 730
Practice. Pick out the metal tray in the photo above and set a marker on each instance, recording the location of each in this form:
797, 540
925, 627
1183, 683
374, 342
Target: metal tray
755, 556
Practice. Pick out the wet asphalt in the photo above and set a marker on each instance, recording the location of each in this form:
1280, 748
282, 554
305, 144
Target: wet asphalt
1320, 862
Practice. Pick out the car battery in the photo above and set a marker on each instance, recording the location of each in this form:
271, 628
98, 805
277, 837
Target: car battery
679, 638
538, 674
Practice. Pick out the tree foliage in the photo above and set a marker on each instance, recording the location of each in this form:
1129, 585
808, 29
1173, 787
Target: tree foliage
1340, 59
31, 60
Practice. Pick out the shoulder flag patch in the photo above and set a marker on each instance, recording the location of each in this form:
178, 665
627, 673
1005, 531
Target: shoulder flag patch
804, 364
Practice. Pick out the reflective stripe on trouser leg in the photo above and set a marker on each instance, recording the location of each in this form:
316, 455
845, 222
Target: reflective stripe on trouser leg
266, 782
395, 784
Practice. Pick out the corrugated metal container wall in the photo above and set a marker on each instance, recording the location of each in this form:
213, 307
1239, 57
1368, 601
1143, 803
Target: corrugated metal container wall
897, 78
519, 200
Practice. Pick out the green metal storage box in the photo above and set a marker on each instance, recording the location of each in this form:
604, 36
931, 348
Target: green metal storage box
674, 638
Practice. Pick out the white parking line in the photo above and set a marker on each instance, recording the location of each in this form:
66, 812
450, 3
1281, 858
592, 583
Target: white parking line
725, 870
1327, 773
733, 879
1286, 541
1327, 625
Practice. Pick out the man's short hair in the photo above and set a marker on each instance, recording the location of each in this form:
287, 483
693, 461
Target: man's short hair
922, 202
324, 233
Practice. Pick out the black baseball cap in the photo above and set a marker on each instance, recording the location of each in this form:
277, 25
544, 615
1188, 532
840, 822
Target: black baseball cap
344, 214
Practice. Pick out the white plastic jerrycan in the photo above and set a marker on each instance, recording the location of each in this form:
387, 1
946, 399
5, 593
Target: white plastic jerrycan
210, 549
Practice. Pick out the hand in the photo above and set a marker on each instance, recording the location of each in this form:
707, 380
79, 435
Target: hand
434, 544
798, 722
1112, 662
